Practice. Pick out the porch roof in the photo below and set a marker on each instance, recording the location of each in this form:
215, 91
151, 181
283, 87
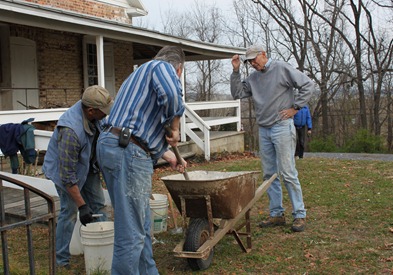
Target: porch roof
146, 43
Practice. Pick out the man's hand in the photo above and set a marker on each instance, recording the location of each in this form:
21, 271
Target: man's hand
170, 157
236, 62
172, 137
85, 214
287, 113
309, 133
172, 133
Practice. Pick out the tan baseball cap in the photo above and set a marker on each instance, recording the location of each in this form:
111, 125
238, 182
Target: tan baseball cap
253, 51
99, 98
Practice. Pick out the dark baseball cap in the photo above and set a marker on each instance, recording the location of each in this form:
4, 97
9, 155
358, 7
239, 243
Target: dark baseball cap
99, 98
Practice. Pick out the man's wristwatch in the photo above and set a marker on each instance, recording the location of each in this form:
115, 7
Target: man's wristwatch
296, 107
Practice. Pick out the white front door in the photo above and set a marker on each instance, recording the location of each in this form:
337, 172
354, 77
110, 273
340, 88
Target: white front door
24, 77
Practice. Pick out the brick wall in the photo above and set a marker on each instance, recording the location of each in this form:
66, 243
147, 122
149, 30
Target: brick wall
89, 7
60, 64
123, 59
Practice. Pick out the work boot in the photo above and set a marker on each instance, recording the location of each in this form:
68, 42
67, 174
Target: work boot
298, 225
273, 221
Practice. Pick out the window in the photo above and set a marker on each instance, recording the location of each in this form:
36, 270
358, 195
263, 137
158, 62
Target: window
92, 72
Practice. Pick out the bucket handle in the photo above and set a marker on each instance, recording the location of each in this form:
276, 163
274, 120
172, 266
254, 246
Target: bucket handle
161, 216
80, 233
94, 216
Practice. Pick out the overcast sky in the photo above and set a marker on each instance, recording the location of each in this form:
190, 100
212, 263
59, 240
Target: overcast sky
158, 8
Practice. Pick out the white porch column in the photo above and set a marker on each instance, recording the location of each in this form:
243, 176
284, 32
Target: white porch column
100, 60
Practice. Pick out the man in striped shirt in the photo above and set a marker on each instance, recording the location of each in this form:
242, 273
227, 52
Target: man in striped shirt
148, 100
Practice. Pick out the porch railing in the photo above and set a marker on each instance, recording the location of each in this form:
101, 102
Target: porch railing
193, 125
30, 218
46, 97
191, 122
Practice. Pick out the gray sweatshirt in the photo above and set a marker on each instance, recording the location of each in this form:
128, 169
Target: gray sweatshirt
273, 90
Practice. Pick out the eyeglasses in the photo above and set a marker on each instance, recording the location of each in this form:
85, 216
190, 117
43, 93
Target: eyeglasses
254, 59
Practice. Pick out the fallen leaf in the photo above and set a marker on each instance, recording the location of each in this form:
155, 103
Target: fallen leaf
309, 255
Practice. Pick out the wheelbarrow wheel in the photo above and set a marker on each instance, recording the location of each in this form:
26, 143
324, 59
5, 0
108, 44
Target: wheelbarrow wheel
197, 235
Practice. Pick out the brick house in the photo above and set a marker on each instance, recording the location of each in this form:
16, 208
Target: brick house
51, 50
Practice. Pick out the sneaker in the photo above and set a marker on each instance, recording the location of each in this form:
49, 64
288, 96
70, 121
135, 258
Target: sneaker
273, 221
298, 225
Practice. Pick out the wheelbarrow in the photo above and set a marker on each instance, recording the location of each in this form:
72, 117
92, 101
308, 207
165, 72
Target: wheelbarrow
211, 204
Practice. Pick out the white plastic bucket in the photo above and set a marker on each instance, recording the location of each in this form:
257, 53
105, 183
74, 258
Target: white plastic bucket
97, 239
159, 213
76, 247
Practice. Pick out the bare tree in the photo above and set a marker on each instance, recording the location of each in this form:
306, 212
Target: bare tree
203, 23
176, 23
293, 30
206, 26
389, 110
380, 54
336, 42
362, 39
312, 43
384, 3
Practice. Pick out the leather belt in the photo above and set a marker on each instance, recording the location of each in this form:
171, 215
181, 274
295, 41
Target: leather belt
116, 131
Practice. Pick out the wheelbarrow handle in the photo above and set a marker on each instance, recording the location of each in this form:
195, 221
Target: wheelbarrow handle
168, 132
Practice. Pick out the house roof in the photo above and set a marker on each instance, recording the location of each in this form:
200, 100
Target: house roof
146, 43
136, 8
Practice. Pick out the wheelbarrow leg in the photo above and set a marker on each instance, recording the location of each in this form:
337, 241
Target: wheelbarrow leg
183, 213
247, 233
209, 215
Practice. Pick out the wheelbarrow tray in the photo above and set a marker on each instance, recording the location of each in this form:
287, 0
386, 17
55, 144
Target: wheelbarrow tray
229, 192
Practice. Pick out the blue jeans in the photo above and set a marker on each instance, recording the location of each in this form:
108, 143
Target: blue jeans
94, 197
277, 150
128, 175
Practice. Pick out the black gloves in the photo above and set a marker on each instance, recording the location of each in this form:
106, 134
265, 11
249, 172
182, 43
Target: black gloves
85, 214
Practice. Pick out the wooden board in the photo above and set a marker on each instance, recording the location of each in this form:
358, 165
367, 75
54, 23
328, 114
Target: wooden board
14, 204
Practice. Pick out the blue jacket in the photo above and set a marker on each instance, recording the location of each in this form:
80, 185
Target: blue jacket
302, 118
10, 138
72, 118
18, 137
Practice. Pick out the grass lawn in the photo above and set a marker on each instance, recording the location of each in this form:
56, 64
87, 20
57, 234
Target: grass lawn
349, 225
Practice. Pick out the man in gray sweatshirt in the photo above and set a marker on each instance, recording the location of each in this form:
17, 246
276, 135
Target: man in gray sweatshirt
272, 86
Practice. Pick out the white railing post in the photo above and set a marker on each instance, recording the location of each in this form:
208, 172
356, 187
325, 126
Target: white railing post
183, 137
239, 116
206, 133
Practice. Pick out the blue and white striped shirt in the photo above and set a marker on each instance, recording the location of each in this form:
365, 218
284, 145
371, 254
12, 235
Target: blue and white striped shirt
147, 100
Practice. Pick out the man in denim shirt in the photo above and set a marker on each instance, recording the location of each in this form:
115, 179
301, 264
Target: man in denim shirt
70, 162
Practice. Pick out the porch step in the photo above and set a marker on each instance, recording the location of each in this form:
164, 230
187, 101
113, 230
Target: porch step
220, 141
